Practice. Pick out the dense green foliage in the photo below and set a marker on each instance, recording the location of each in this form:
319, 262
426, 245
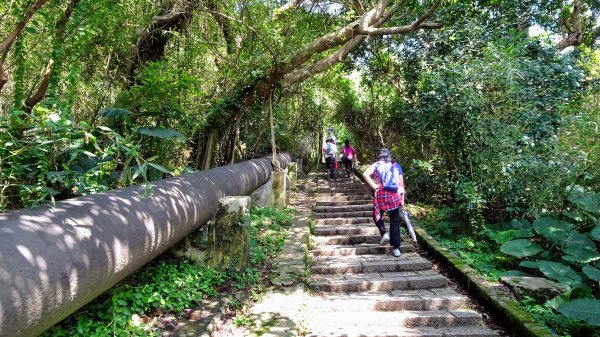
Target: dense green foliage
493, 124
168, 286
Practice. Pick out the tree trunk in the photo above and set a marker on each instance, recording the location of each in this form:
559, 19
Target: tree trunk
573, 28
273, 146
7, 42
209, 149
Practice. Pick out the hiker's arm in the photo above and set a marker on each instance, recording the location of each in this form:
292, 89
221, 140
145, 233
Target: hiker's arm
401, 189
367, 174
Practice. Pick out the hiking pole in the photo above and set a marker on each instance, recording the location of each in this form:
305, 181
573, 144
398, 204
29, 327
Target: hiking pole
409, 226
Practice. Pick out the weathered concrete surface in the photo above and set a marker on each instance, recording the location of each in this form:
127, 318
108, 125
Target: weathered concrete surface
263, 195
293, 175
538, 288
279, 190
224, 240
54, 260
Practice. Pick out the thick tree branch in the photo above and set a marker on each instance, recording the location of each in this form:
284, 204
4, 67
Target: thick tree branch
407, 28
324, 63
40, 93
291, 4
34, 99
573, 28
7, 42
339, 37
153, 39
20, 25
223, 23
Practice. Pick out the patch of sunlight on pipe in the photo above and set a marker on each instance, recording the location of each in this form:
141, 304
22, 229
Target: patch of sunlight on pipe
41, 263
26, 254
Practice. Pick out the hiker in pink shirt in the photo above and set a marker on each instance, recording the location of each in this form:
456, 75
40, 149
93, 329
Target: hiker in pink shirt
348, 155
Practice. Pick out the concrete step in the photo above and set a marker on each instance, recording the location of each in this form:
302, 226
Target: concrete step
344, 197
347, 239
359, 249
391, 330
324, 202
392, 321
344, 208
343, 189
364, 229
344, 221
348, 214
424, 299
378, 281
354, 264
341, 195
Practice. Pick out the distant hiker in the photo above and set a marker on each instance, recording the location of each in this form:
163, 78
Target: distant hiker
330, 154
389, 196
348, 155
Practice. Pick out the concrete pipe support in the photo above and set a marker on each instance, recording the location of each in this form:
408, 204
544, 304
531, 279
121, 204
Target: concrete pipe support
55, 260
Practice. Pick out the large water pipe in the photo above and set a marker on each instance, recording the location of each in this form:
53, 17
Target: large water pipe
53, 260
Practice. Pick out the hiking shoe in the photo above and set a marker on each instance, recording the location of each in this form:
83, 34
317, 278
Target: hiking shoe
396, 252
385, 239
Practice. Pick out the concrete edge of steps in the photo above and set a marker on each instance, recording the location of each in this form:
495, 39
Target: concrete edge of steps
501, 306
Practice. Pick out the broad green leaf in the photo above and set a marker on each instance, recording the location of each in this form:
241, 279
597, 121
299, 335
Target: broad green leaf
520, 224
529, 264
520, 248
554, 230
503, 236
558, 300
581, 291
596, 233
114, 113
579, 240
585, 309
515, 273
587, 201
161, 168
581, 255
161, 133
592, 273
559, 272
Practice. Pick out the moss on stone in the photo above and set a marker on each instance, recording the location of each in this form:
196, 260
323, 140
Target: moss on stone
503, 308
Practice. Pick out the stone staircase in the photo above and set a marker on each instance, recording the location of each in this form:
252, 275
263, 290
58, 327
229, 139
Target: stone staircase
363, 290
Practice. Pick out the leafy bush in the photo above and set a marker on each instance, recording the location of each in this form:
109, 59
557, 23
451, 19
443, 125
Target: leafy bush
46, 156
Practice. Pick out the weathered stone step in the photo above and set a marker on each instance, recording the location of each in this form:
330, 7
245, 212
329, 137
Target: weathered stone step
351, 214
327, 202
364, 229
345, 208
378, 281
342, 189
368, 264
425, 299
359, 249
363, 194
391, 321
347, 239
395, 331
344, 221
362, 197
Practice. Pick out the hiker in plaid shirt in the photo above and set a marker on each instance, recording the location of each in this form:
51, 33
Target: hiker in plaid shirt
390, 200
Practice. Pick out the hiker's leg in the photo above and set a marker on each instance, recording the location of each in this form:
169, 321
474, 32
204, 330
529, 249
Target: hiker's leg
328, 164
395, 238
379, 223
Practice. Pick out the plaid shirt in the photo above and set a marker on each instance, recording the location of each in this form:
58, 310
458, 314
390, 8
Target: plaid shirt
385, 201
